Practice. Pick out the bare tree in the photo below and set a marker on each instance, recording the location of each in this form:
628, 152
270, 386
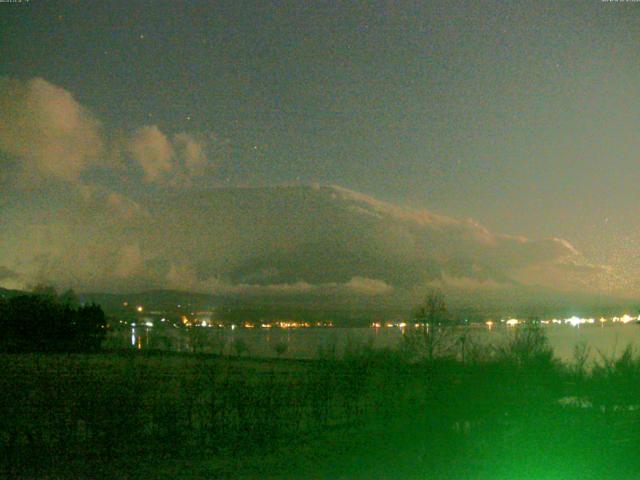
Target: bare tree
432, 335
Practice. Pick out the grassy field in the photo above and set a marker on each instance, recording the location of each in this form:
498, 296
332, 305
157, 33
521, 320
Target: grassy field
370, 414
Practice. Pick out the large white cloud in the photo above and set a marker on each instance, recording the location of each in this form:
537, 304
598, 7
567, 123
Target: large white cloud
286, 241
46, 130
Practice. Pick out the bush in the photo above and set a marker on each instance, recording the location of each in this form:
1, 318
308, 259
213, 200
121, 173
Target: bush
528, 347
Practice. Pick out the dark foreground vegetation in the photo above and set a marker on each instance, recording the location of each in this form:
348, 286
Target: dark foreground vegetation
46, 322
508, 411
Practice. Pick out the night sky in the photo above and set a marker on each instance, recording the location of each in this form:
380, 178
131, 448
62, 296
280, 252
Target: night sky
516, 124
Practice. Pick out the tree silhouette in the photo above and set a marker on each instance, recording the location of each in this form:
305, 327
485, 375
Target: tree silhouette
433, 334
69, 297
40, 322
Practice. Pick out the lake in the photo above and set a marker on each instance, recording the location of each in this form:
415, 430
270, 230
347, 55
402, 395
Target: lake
306, 343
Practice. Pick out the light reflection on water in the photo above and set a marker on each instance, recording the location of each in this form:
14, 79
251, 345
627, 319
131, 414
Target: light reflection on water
308, 342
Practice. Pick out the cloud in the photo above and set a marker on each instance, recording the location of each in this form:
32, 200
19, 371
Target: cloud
184, 276
192, 153
464, 252
46, 131
196, 157
46, 134
368, 286
10, 279
447, 281
7, 274
328, 237
175, 161
266, 241
295, 288
153, 151
94, 200
129, 261
124, 207
567, 273
281, 241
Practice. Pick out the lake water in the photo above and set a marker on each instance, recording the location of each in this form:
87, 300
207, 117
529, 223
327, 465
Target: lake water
608, 340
